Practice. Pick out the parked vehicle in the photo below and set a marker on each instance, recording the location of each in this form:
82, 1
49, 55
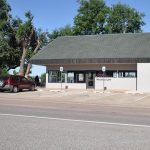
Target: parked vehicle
16, 83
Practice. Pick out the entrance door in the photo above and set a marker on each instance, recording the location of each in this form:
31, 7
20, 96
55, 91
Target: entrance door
90, 80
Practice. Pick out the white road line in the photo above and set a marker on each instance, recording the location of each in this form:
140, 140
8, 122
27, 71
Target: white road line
142, 98
73, 120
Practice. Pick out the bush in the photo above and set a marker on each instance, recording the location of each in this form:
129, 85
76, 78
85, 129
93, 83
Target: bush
43, 79
3, 72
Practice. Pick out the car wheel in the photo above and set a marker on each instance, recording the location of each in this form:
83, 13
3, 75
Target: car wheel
15, 89
32, 88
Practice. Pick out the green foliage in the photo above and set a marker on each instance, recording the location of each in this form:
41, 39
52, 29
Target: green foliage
43, 78
15, 72
24, 29
124, 19
94, 17
3, 72
9, 57
43, 37
31, 78
65, 31
91, 17
4, 10
9, 50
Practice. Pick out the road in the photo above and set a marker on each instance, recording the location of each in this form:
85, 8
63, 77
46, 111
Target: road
74, 127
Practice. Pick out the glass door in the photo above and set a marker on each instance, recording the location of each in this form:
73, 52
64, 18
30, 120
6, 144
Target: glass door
90, 80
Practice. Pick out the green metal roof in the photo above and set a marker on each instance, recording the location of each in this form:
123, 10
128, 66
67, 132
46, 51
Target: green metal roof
108, 46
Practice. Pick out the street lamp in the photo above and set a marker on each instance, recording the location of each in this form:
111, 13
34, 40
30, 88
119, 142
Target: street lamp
61, 70
103, 70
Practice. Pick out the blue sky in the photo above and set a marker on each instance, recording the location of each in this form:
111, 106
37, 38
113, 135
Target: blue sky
53, 14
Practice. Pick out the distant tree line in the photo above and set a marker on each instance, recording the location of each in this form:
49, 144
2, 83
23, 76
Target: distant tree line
20, 40
95, 17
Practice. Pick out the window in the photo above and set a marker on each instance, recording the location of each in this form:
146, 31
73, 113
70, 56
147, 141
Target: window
111, 74
80, 77
106, 74
76, 77
127, 74
120, 74
23, 79
115, 74
70, 77
55, 77
4, 78
15, 78
130, 74
62, 77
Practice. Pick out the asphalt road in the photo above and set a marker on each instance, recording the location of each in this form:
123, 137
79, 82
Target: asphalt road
74, 127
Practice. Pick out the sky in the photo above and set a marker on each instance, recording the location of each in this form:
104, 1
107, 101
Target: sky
53, 14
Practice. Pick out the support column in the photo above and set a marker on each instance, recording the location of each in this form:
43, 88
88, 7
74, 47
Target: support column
65, 77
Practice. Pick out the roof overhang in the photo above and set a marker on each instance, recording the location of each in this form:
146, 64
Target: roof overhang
89, 61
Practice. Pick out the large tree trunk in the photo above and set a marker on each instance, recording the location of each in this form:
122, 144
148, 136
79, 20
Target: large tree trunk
29, 64
25, 49
28, 70
22, 62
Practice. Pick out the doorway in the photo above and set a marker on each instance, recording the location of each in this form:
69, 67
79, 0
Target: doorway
90, 80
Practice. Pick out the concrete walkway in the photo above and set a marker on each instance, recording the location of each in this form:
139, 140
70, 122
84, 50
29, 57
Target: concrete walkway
79, 97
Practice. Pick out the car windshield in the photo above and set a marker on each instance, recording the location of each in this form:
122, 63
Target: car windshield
4, 77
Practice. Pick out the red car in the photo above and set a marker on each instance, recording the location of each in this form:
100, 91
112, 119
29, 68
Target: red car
16, 83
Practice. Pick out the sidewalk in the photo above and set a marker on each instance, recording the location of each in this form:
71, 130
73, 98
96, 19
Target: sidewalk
78, 97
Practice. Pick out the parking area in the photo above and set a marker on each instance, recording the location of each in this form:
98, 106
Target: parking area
45, 97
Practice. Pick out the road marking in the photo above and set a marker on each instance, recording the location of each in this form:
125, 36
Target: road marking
142, 98
73, 120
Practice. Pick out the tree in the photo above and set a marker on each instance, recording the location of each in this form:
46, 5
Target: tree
3, 72
9, 51
19, 40
94, 17
9, 56
43, 79
4, 11
91, 18
124, 19
42, 38
64, 31
24, 34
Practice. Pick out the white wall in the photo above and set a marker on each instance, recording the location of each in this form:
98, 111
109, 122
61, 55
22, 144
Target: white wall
69, 85
116, 83
143, 77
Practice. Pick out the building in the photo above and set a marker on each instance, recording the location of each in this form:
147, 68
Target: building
125, 56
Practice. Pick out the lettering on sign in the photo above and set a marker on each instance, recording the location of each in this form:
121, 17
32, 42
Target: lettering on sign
101, 79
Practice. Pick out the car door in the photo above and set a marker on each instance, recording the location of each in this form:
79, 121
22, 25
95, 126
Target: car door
15, 80
24, 83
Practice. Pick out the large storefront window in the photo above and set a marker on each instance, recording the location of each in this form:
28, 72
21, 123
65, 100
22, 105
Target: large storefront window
76, 77
127, 74
55, 77
80, 77
70, 77
108, 73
